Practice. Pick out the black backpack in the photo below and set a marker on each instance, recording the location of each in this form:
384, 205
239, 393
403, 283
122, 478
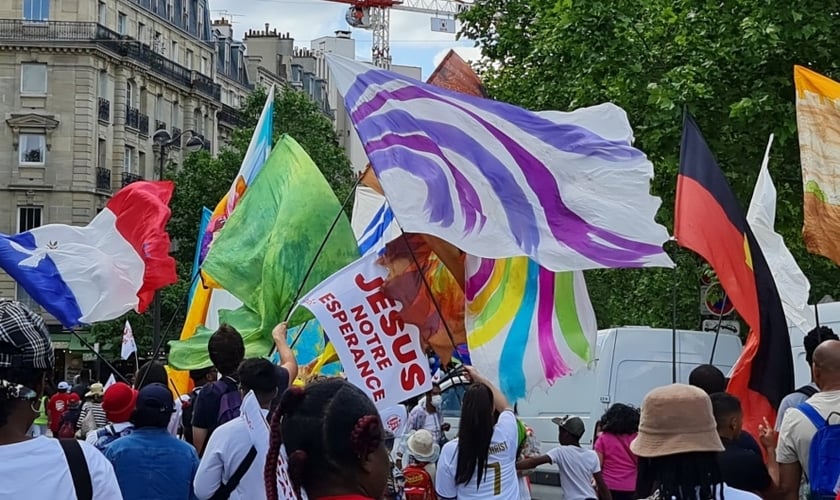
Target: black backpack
807, 390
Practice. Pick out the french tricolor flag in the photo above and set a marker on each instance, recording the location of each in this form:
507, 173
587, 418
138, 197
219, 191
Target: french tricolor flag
98, 272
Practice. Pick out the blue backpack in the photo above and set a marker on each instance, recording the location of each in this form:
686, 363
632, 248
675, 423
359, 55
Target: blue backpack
824, 457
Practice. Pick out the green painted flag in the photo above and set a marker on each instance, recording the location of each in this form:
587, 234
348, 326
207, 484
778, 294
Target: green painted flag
264, 250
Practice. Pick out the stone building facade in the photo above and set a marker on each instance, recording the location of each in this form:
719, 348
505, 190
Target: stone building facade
84, 87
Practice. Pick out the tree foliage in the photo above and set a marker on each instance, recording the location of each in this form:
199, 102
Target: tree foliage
202, 180
729, 63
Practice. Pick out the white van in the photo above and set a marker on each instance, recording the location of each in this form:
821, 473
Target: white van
829, 315
629, 362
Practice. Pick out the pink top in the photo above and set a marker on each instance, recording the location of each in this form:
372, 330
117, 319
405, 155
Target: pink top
619, 464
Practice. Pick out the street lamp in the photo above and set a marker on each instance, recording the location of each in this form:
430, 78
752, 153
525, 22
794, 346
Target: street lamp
163, 142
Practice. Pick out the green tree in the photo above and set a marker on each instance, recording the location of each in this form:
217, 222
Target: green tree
729, 63
202, 180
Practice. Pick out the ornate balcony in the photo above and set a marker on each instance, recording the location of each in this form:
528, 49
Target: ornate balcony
132, 118
70, 33
128, 178
104, 110
229, 115
103, 179
143, 125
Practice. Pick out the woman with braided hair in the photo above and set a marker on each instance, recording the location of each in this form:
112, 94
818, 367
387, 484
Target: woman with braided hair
335, 443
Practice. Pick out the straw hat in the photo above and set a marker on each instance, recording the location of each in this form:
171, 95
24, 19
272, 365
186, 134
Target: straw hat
676, 419
422, 446
95, 390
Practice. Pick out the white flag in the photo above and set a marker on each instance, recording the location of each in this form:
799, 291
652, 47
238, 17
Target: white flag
128, 344
791, 282
111, 381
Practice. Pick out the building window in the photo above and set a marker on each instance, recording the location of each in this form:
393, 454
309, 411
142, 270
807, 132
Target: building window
129, 94
189, 59
128, 160
203, 65
33, 78
28, 218
33, 149
159, 108
198, 121
36, 10
122, 24
176, 114
101, 151
141, 32
103, 84
103, 13
174, 55
141, 163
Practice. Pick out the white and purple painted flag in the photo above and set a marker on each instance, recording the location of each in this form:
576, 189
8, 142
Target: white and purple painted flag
499, 181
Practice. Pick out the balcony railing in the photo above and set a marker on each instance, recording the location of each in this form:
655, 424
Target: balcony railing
143, 125
132, 117
159, 125
176, 132
104, 110
229, 115
128, 178
206, 86
103, 179
68, 32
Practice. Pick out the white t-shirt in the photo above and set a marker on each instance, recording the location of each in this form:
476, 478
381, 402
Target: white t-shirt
499, 482
175, 421
798, 431
577, 466
37, 468
223, 454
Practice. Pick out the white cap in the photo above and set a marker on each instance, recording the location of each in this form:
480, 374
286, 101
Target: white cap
63, 386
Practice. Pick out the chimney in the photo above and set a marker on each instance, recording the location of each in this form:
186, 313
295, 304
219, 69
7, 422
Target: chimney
342, 34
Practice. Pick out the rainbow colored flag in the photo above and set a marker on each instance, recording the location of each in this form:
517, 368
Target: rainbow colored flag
518, 312
205, 302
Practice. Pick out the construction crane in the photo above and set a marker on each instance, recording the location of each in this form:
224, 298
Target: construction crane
375, 15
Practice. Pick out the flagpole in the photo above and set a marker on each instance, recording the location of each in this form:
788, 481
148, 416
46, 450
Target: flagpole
426, 284
717, 330
99, 356
674, 328
309, 270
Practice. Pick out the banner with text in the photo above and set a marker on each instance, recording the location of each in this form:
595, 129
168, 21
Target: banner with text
380, 353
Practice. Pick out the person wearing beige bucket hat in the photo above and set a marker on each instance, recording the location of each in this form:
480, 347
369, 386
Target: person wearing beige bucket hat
679, 444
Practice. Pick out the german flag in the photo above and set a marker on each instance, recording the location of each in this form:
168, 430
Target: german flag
710, 221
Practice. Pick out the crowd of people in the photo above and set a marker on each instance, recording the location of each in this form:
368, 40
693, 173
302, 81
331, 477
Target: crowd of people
327, 441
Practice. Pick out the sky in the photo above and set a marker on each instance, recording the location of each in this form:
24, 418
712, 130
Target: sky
413, 43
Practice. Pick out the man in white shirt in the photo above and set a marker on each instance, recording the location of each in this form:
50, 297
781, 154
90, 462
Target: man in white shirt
426, 415
229, 453
797, 433
811, 341
577, 466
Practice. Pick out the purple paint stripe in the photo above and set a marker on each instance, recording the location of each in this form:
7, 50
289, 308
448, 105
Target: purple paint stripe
440, 207
553, 364
518, 208
470, 201
566, 226
477, 281
566, 137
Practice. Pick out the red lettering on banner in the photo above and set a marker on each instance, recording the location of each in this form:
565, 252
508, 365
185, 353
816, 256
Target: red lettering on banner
412, 376
358, 313
326, 298
384, 363
368, 286
392, 323
345, 329
403, 349
351, 339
